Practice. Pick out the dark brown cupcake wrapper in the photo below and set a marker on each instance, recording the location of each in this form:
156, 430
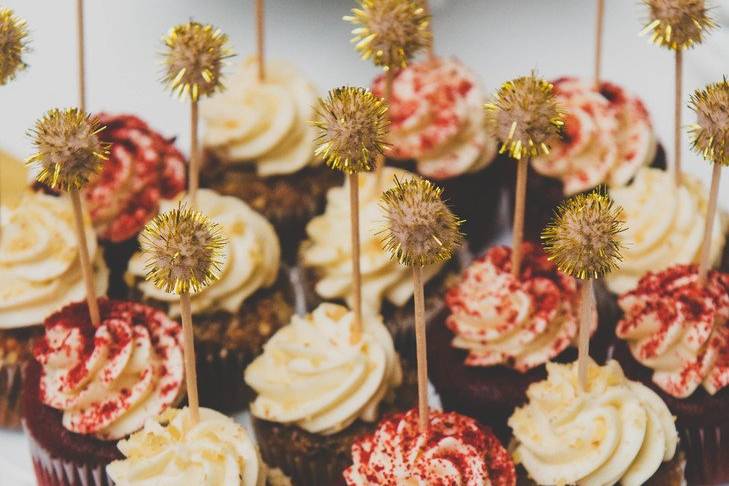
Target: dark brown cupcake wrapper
10, 389
220, 378
53, 471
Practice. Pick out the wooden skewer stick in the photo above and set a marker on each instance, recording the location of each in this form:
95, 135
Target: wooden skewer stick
519, 210
380, 162
189, 357
194, 169
260, 39
356, 274
677, 122
421, 350
83, 252
705, 261
586, 319
599, 27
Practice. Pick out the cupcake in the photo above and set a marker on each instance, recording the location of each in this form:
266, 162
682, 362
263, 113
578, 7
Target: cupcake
457, 451
143, 169
387, 286
236, 314
615, 431
172, 450
317, 390
259, 147
39, 273
674, 337
438, 130
89, 387
608, 136
498, 332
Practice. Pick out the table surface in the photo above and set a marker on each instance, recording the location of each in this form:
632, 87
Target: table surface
499, 39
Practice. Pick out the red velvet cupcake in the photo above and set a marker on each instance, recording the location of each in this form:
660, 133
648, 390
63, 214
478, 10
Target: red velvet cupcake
143, 168
456, 451
674, 337
91, 386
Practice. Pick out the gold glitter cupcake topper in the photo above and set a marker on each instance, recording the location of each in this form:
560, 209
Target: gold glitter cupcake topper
524, 116
390, 32
13, 44
194, 59
583, 238
352, 125
710, 133
69, 150
421, 230
184, 250
677, 24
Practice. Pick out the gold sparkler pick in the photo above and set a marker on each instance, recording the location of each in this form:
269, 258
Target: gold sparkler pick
421, 230
194, 59
677, 24
352, 125
69, 150
524, 116
184, 250
583, 238
390, 32
13, 44
710, 133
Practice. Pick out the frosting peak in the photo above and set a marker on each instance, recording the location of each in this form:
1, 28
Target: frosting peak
437, 118
311, 373
608, 136
458, 451
680, 329
328, 249
171, 451
108, 380
616, 431
501, 320
263, 122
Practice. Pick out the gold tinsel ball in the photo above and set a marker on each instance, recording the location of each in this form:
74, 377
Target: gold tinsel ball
525, 117
710, 133
352, 125
677, 24
390, 32
420, 228
583, 239
68, 148
13, 45
194, 58
183, 249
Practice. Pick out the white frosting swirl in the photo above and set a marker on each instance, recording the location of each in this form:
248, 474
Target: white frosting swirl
40, 269
265, 122
251, 261
665, 226
171, 450
437, 116
608, 137
313, 375
328, 249
616, 431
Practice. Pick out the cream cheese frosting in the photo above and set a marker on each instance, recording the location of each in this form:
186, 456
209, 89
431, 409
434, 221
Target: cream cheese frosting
171, 450
108, 380
608, 136
519, 322
615, 431
328, 250
40, 269
679, 329
251, 261
313, 375
263, 122
665, 226
437, 118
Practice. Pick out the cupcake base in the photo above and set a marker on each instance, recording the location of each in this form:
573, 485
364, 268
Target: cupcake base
287, 201
117, 256
15, 353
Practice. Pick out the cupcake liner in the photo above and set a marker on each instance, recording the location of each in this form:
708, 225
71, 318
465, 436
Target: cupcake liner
220, 377
117, 256
54, 471
10, 388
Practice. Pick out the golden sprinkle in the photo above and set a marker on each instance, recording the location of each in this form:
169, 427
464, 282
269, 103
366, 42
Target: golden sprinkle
677, 24
525, 117
710, 133
13, 44
352, 125
390, 32
421, 230
68, 148
583, 238
194, 59
183, 249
